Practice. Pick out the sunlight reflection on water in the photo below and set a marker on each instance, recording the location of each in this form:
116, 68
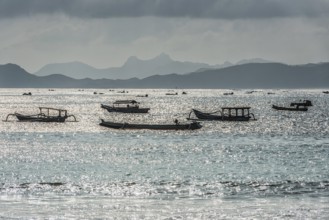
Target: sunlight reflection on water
278, 162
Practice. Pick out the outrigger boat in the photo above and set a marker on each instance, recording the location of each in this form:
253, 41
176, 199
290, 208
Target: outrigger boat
302, 103
125, 106
45, 115
296, 108
176, 126
225, 114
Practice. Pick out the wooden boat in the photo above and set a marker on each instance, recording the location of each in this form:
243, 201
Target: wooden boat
172, 93
146, 95
45, 115
125, 106
302, 103
228, 93
326, 92
296, 108
226, 114
176, 126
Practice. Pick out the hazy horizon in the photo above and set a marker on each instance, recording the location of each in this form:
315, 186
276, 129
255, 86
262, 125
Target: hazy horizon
106, 33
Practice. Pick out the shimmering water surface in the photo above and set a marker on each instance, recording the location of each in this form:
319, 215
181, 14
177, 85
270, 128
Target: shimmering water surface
275, 167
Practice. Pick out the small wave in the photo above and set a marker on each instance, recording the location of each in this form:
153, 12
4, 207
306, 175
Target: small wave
168, 189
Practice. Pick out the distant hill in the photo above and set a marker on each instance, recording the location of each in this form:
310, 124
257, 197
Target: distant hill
251, 75
75, 70
133, 67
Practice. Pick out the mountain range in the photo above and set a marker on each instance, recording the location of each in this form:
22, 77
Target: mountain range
250, 75
133, 67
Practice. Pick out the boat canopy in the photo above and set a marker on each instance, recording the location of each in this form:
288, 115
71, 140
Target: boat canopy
48, 110
231, 108
237, 111
125, 102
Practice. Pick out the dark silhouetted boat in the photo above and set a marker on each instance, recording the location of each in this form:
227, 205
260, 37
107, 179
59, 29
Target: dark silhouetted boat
45, 115
326, 92
228, 93
143, 96
125, 106
176, 126
302, 103
296, 108
225, 114
168, 93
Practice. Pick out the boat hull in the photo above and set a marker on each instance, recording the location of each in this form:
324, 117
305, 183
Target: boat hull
212, 117
125, 110
289, 109
39, 118
191, 126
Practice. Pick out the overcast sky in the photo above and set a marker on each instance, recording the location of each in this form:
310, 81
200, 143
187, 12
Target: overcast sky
104, 33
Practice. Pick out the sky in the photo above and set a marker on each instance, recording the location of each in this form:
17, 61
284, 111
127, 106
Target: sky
104, 33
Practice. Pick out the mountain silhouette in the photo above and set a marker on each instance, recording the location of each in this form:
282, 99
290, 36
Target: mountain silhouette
133, 67
251, 75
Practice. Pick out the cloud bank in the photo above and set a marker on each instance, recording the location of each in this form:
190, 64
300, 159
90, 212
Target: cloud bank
215, 9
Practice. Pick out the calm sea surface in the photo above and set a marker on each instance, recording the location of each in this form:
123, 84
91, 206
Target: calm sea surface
275, 167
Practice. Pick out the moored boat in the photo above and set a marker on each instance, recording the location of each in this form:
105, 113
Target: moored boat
225, 114
125, 106
302, 103
296, 108
45, 115
176, 126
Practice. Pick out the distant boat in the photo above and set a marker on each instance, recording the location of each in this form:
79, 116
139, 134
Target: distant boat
146, 95
125, 106
45, 115
225, 114
326, 92
297, 108
28, 93
123, 91
171, 93
302, 103
228, 93
176, 126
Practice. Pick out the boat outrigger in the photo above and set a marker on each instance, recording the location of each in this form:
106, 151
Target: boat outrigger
176, 126
45, 115
225, 114
125, 106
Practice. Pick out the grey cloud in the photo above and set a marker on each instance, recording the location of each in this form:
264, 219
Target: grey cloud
222, 9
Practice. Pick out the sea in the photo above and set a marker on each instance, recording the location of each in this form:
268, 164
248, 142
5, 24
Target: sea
276, 167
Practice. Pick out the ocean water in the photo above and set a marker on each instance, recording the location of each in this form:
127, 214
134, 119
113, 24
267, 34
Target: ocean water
274, 168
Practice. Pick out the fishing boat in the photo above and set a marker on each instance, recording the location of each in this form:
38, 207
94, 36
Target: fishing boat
168, 93
125, 106
146, 95
175, 126
296, 108
302, 103
225, 114
45, 115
